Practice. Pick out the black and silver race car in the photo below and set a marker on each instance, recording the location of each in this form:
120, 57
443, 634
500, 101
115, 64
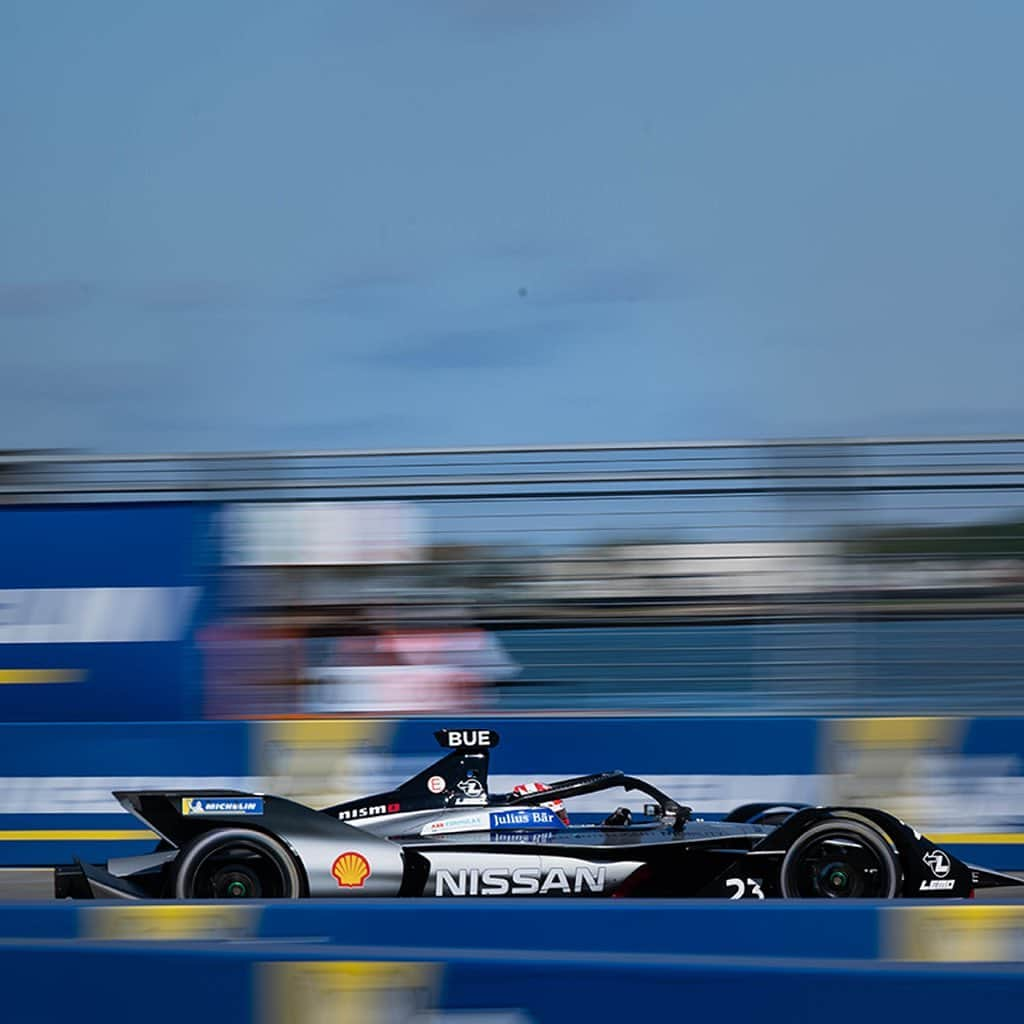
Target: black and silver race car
443, 833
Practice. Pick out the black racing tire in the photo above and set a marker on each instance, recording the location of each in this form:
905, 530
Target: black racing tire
804, 876
236, 863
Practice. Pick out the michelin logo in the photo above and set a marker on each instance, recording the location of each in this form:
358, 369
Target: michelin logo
197, 805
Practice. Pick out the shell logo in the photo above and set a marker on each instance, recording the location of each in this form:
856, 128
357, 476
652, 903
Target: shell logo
351, 869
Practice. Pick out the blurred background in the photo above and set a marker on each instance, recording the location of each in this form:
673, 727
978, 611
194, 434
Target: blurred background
640, 379
803, 576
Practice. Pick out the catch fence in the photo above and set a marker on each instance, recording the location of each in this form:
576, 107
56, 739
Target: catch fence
825, 575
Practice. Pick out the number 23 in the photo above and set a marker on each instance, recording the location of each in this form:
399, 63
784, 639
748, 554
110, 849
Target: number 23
741, 888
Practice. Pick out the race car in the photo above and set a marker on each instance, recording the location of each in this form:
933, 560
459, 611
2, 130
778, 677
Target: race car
444, 834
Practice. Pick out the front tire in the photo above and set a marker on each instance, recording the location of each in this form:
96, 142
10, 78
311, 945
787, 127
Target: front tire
236, 864
841, 859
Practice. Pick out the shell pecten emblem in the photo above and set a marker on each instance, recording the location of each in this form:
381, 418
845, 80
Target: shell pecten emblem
351, 869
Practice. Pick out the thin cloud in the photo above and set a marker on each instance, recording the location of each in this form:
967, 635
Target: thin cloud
481, 348
358, 291
493, 15
45, 298
611, 286
191, 296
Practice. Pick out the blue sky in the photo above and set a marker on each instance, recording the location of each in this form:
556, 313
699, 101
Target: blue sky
329, 224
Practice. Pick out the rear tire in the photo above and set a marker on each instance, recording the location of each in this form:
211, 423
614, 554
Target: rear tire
236, 864
841, 859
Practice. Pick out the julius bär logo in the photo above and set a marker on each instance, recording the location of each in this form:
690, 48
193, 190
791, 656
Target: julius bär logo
351, 869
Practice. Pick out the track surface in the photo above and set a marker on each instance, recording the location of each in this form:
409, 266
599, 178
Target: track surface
36, 884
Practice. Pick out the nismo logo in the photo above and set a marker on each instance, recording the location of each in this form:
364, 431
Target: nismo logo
518, 881
369, 811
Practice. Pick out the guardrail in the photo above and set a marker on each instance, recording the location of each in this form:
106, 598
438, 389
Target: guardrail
894, 464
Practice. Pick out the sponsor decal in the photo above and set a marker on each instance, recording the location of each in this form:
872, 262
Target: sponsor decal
937, 884
194, 805
369, 811
520, 837
533, 817
472, 792
519, 881
351, 870
469, 738
436, 784
938, 862
466, 823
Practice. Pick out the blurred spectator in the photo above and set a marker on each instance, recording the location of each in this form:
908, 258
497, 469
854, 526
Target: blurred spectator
412, 666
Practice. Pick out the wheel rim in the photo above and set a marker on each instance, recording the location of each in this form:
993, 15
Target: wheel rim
840, 862
239, 870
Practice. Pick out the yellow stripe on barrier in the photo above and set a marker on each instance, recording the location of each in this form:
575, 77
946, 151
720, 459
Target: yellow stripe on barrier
982, 838
173, 922
18, 676
306, 755
24, 835
339, 992
966, 933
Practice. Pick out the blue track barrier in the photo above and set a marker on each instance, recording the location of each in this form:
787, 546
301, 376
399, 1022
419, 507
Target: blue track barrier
299, 985
959, 780
102, 608
807, 930
718, 928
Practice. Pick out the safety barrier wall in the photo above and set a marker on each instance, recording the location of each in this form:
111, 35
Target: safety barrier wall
846, 932
307, 977
909, 931
959, 780
653, 928
100, 610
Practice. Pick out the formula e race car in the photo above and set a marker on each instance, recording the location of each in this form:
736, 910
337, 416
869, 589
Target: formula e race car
443, 833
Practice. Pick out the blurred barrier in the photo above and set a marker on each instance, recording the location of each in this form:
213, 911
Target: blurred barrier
56, 781
855, 931
817, 930
303, 983
791, 576
100, 609
959, 780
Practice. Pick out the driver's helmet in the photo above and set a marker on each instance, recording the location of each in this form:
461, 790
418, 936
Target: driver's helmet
538, 787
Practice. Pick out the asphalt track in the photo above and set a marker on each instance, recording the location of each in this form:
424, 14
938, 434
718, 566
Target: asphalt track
36, 885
